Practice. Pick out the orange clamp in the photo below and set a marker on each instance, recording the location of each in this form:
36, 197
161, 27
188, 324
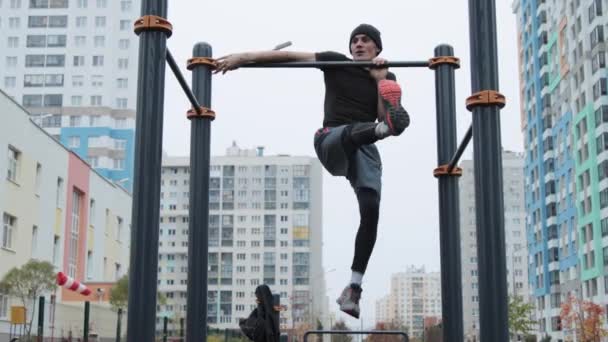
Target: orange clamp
210, 62
205, 113
153, 23
442, 171
486, 98
436, 61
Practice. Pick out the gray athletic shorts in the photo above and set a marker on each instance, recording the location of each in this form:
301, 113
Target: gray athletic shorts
363, 169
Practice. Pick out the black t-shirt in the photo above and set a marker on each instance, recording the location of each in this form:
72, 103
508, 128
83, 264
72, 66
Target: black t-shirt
351, 94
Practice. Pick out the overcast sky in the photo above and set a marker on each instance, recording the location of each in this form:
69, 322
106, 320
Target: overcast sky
286, 107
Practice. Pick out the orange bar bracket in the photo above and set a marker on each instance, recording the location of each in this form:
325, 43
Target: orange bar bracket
210, 62
486, 98
153, 23
442, 171
206, 113
436, 61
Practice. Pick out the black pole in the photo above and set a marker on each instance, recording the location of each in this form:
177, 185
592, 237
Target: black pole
200, 141
41, 318
143, 268
449, 225
87, 309
463, 146
337, 64
493, 314
165, 324
118, 325
181, 328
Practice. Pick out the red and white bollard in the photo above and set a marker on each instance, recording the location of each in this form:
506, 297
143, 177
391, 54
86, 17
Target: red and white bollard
72, 284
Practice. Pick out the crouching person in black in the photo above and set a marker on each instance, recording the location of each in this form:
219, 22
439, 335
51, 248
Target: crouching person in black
262, 325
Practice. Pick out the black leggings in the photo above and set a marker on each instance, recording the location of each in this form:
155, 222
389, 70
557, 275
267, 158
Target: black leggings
369, 209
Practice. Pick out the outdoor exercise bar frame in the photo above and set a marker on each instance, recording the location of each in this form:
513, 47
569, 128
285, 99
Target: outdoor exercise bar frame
362, 332
154, 30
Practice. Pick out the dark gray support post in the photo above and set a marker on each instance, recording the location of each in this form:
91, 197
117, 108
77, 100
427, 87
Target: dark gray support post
449, 223
118, 325
181, 328
87, 310
41, 318
165, 324
493, 316
200, 141
143, 268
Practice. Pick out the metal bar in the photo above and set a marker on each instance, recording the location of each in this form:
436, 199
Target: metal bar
143, 268
463, 146
361, 332
165, 325
198, 246
449, 223
336, 64
182, 82
40, 337
87, 310
118, 325
493, 303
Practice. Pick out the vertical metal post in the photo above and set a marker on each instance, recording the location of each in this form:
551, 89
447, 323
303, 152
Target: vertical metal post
143, 268
200, 141
118, 325
493, 314
41, 319
181, 328
87, 309
449, 215
165, 324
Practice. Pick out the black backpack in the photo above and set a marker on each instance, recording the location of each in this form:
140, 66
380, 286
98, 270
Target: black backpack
254, 327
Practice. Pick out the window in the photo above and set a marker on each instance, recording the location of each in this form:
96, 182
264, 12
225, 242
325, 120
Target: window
96, 100
39, 3
99, 41
74, 232
56, 40
10, 82
123, 63
97, 81
14, 159
8, 230
4, 306
121, 103
119, 164
100, 21
126, 5
94, 161
78, 61
120, 144
123, 44
125, 25
15, 4
34, 245
81, 21
11, 61
59, 194
37, 21
55, 60
74, 142
119, 228
14, 22
77, 81
75, 121
122, 83
76, 100
97, 60
33, 80
13, 42
38, 179
102, 3
58, 21
82, 3
80, 41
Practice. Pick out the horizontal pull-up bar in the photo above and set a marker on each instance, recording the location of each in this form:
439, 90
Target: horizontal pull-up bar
337, 64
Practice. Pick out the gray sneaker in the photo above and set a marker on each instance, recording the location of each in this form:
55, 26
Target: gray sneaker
349, 300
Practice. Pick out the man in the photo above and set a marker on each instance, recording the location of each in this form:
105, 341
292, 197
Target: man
354, 98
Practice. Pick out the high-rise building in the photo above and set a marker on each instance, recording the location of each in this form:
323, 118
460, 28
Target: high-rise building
515, 237
73, 65
564, 116
415, 295
264, 228
55, 208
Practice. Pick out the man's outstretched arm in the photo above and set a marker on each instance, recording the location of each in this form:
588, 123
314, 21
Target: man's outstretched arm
233, 61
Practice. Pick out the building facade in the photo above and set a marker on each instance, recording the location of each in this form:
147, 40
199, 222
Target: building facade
73, 65
56, 208
415, 295
564, 115
264, 228
515, 237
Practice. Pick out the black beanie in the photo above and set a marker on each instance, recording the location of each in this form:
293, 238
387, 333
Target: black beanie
369, 31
